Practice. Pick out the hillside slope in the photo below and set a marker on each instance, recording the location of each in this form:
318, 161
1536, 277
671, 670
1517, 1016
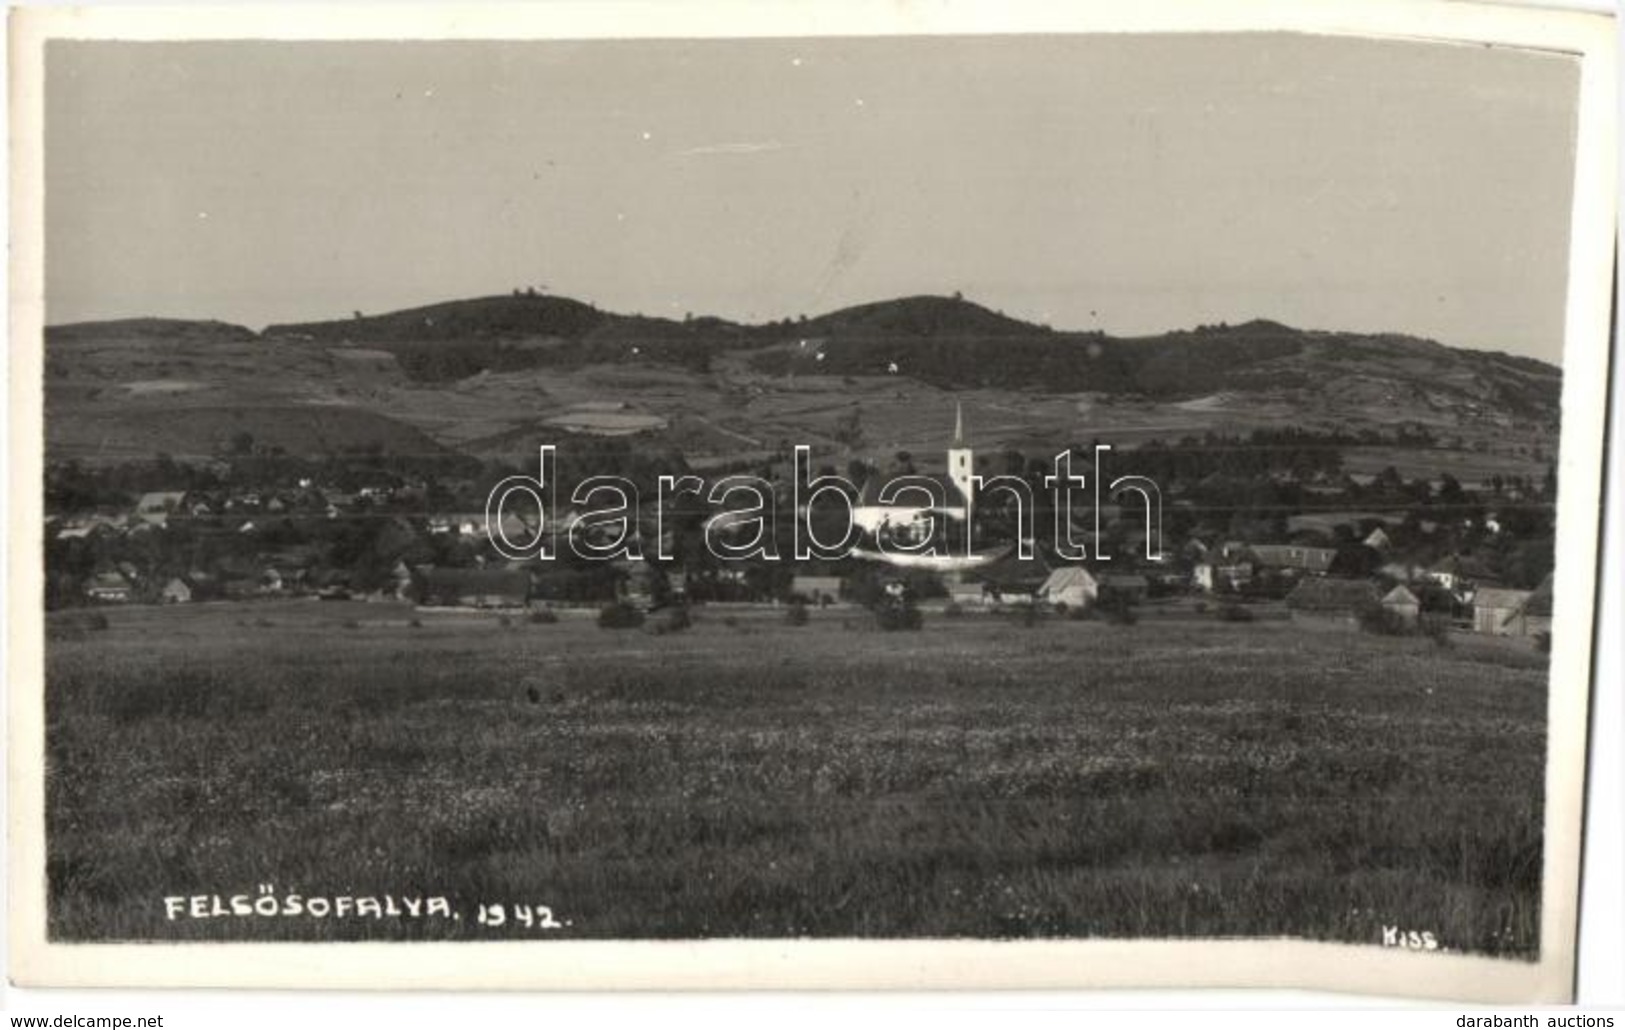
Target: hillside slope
495, 375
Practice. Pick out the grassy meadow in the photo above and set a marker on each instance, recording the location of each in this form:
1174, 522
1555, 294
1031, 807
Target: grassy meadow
753, 778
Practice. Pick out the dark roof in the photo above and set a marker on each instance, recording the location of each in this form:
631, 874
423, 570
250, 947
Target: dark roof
1540, 602
1011, 571
1491, 598
1324, 595
1400, 595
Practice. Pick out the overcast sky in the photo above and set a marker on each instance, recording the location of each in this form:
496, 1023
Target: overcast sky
1126, 184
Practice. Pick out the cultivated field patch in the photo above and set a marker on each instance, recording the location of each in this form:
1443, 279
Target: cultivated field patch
752, 778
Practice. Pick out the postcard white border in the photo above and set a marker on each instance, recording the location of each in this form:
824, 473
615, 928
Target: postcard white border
797, 964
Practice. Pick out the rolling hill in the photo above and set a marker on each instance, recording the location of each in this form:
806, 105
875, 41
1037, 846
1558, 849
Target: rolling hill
493, 375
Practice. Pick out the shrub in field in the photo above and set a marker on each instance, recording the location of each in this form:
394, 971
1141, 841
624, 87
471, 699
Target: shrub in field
1543, 642
953, 610
416, 623
1027, 615
731, 621
351, 624
543, 617
1436, 628
619, 616
898, 616
1233, 612
1118, 609
1120, 613
796, 614
668, 620
1081, 613
1374, 618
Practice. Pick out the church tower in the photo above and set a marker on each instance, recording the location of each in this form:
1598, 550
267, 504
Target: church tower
961, 462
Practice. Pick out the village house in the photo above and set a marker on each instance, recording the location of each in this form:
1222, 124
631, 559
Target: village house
1313, 560
109, 588
1495, 608
1457, 572
1534, 616
1402, 603
1208, 576
155, 508
816, 589
78, 530
1071, 585
176, 591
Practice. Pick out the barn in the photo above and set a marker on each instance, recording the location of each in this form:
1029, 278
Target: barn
1495, 607
1535, 616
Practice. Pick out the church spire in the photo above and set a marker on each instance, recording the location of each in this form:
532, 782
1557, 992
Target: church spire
959, 424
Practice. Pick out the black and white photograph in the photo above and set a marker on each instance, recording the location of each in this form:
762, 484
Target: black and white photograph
1060, 505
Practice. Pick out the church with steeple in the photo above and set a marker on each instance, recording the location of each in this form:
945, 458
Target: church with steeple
962, 463
907, 515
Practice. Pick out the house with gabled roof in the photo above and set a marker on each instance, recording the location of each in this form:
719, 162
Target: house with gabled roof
1534, 616
109, 587
155, 508
1456, 571
1403, 603
1495, 607
1071, 585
